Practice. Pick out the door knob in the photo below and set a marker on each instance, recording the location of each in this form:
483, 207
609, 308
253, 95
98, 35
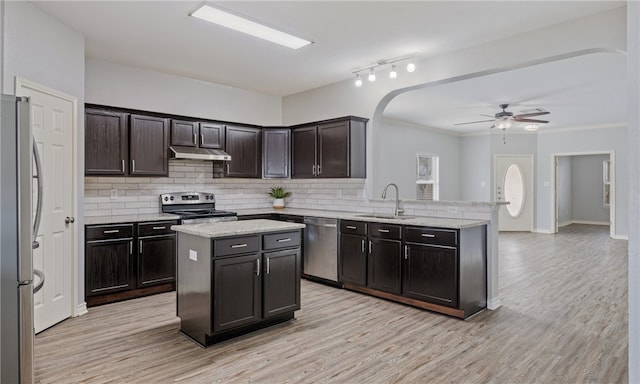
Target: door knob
68, 220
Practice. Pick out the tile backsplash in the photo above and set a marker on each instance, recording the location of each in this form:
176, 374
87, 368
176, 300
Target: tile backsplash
136, 195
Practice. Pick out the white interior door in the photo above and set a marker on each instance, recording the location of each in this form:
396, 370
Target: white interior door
52, 123
514, 184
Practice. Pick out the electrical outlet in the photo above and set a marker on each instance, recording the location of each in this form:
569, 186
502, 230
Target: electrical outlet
114, 194
452, 209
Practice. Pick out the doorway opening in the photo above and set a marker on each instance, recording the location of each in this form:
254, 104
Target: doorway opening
583, 190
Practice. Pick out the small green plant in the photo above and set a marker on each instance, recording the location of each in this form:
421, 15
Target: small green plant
279, 193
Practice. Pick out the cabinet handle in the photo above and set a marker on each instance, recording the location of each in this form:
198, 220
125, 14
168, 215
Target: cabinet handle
406, 252
268, 266
238, 245
111, 231
158, 228
133, 166
283, 241
201, 138
362, 246
140, 250
383, 230
370, 246
122, 165
319, 169
227, 168
131, 247
351, 227
313, 169
427, 235
257, 267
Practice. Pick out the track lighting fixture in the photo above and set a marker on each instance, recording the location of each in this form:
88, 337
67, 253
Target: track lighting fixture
393, 73
372, 75
358, 80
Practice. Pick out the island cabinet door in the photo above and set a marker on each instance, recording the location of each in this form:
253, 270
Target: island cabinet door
281, 282
353, 259
431, 274
237, 292
384, 266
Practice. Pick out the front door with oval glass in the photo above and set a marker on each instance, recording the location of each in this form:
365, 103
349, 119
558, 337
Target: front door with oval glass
514, 184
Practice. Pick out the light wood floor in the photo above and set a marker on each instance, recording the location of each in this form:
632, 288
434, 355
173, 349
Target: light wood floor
563, 320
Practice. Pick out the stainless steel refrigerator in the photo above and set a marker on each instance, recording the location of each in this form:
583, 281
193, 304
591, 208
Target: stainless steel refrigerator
18, 226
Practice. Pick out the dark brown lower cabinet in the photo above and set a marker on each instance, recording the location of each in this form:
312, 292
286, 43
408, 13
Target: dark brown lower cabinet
353, 259
237, 291
431, 274
281, 283
384, 266
156, 260
125, 261
108, 266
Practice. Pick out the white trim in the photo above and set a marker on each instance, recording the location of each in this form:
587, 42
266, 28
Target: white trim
587, 222
494, 304
544, 231
81, 309
620, 237
24, 83
612, 191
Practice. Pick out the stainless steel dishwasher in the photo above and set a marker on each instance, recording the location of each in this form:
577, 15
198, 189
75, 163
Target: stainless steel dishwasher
321, 248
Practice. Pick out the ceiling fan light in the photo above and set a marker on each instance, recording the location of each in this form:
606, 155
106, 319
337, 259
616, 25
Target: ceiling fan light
411, 67
358, 81
531, 127
372, 75
503, 124
393, 74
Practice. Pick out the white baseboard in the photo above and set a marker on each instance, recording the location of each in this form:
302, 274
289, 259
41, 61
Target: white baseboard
564, 224
538, 230
590, 222
81, 309
494, 303
620, 237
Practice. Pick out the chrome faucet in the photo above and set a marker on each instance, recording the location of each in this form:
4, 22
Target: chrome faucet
397, 211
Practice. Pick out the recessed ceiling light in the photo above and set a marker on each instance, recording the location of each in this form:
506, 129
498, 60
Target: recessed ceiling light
241, 24
530, 127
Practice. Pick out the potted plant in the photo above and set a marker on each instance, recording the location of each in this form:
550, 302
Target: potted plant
279, 194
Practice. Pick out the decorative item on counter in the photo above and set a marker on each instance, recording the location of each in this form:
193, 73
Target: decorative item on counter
279, 194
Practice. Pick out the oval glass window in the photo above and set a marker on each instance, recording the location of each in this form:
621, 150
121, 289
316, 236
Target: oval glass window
514, 190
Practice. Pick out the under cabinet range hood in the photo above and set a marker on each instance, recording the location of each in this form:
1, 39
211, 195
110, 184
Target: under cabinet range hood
193, 153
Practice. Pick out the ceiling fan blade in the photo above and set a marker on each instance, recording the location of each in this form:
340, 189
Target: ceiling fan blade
532, 114
474, 122
530, 120
486, 115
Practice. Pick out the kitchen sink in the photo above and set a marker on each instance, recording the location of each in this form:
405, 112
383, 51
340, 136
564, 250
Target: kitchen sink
385, 216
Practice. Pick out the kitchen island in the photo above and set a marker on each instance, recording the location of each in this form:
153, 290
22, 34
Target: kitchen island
236, 277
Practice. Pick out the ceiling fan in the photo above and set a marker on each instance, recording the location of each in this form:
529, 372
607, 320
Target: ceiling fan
505, 119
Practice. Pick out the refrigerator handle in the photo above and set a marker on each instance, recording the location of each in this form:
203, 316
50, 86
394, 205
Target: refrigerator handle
38, 176
40, 274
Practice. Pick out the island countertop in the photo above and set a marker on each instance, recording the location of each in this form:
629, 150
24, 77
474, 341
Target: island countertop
236, 228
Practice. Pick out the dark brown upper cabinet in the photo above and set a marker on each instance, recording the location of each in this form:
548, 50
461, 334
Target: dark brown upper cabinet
106, 142
244, 144
184, 133
211, 135
275, 153
329, 149
148, 143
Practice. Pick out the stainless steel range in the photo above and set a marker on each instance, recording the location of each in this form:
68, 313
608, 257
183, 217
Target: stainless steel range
194, 207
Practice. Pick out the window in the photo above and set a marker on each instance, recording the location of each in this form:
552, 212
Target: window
427, 177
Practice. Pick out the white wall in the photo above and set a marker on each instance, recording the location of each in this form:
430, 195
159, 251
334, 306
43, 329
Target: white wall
563, 188
587, 186
633, 141
397, 162
125, 86
39, 48
475, 168
570, 142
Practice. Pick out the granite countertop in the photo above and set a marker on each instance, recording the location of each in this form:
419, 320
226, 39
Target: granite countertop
423, 221
236, 228
138, 218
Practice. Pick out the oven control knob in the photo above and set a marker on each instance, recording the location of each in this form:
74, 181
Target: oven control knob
171, 197
166, 198
211, 197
